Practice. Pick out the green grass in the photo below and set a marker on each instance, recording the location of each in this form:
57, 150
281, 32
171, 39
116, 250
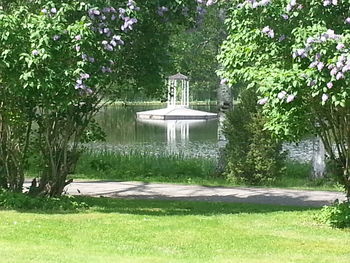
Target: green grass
164, 231
297, 177
180, 169
147, 168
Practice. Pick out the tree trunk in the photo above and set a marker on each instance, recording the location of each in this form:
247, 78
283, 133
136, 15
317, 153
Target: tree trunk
318, 159
225, 105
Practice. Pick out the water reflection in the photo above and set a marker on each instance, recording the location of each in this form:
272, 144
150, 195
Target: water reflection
186, 137
190, 138
178, 131
121, 127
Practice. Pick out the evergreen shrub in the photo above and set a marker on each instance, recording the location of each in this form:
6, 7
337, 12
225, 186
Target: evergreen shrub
254, 157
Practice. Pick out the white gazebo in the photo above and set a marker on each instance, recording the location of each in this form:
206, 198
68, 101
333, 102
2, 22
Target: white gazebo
178, 91
178, 103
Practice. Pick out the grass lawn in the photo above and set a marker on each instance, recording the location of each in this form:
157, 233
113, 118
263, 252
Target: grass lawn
164, 231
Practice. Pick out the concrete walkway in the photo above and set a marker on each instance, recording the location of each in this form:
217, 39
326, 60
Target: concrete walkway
203, 193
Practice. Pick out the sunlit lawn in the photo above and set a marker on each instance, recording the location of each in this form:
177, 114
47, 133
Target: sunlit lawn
163, 231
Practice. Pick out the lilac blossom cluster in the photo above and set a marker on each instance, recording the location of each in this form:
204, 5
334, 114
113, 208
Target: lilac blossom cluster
283, 95
292, 5
268, 31
206, 2
336, 70
51, 11
254, 3
102, 20
263, 101
330, 2
81, 86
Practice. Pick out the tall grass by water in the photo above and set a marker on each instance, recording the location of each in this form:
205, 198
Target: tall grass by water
178, 168
145, 167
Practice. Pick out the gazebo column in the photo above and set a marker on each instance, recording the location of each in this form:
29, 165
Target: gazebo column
183, 96
187, 93
169, 91
175, 93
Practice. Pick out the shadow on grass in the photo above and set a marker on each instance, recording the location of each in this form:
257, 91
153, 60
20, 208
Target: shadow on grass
179, 208
164, 207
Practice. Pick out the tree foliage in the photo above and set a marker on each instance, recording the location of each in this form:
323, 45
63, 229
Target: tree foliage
62, 61
296, 53
193, 52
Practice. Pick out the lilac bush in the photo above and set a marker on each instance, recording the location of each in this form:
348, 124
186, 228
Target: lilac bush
297, 54
71, 56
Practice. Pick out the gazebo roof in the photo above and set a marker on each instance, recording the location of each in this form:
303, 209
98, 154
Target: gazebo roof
178, 76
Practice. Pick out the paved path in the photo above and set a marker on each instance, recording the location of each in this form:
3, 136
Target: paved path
203, 193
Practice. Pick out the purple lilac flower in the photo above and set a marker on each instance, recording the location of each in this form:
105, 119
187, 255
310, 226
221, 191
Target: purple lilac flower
224, 81
263, 101
340, 46
56, 37
340, 64
290, 98
329, 85
77, 37
106, 10
109, 47
347, 20
128, 23
331, 66
281, 95
53, 10
346, 68
268, 31
325, 97
312, 83
313, 64
35, 52
339, 76
334, 72
320, 66
210, 2
84, 76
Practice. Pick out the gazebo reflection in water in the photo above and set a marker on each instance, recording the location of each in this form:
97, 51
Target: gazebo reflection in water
177, 117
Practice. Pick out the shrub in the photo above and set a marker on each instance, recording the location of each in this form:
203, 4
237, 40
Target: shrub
254, 157
10, 200
337, 215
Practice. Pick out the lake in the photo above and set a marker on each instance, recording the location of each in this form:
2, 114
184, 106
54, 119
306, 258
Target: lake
124, 133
